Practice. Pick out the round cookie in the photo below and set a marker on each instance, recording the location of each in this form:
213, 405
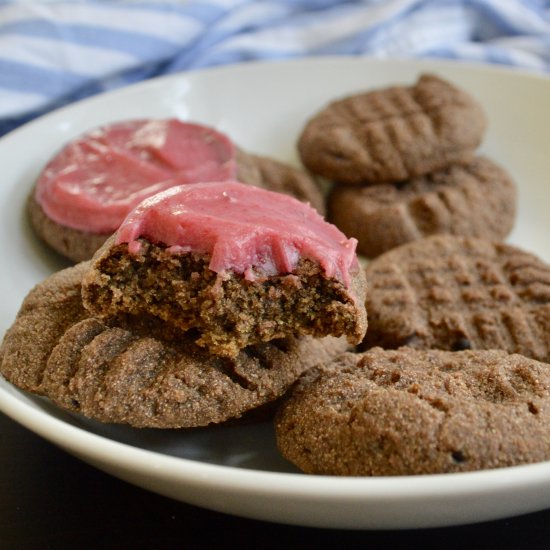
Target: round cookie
393, 134
73, 244
240, 266
86, 190
115, 374
137, 370
409, 412
452, 293
45, 314
477, 199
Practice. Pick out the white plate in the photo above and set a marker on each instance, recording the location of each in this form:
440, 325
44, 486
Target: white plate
238, 470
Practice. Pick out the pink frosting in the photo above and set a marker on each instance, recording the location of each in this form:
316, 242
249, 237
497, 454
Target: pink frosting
245, 229
96, 180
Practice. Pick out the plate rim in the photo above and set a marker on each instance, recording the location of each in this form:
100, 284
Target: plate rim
476, 66
36, 416
328, 488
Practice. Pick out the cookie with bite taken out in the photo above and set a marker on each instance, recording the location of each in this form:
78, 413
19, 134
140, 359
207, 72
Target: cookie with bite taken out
235, 264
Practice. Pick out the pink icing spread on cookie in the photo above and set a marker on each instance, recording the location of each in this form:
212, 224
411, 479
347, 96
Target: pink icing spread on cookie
96, 180
244, 229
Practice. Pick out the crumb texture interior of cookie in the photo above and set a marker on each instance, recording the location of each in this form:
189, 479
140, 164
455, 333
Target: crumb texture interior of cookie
455, 293
229, 313
476, 199
408, 412
393, 134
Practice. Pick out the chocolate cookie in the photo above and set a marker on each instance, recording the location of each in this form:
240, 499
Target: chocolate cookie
45, 314
238, 265
73, 244
273, 175
476, 199
228, 313
393, 134
136, 370
453, 293
409, 412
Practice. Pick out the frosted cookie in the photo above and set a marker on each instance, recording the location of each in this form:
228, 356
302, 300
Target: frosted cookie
237, 264
409, 412
455, 293
393, 134
88, 188
136, 371
475, 199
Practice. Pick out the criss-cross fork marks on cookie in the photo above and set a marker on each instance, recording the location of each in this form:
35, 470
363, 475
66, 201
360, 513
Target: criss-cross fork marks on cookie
477, 199
135, 370
393, 134
456, 293
406, 412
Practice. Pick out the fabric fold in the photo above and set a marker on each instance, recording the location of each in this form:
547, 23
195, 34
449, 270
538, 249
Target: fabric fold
56, 52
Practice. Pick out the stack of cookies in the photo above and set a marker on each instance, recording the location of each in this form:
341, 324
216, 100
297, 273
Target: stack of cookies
453, 373
208, 303
403, 166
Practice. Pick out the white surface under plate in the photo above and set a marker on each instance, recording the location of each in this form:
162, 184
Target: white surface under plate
238, 470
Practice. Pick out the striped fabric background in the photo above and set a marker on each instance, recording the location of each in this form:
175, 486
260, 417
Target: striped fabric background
54, 52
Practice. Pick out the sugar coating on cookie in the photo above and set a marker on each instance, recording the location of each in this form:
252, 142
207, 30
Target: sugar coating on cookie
136, 371
409, 412
248, 231
239, 264
476, 199
393, 134
453, 293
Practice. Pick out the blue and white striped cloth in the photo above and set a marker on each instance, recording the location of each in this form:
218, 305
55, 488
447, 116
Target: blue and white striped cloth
54, 52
